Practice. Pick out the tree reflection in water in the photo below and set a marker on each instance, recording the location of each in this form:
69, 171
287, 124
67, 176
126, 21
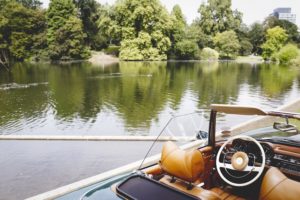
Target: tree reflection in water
131, 97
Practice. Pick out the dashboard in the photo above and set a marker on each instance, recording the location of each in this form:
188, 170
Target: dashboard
285, 158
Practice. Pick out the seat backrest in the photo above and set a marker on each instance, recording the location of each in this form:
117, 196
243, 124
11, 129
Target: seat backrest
186, 165
277, 186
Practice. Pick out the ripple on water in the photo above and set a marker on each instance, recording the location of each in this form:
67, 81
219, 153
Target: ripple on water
9, 86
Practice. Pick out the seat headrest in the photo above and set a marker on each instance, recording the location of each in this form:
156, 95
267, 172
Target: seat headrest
186, 165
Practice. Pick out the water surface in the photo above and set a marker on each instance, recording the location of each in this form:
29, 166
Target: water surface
131, 98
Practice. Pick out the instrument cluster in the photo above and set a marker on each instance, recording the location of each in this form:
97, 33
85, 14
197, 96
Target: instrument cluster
251, 148
287, 164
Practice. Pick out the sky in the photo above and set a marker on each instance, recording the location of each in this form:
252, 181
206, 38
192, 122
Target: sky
253, 10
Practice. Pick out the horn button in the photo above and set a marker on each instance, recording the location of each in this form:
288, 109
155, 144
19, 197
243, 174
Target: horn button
239, 161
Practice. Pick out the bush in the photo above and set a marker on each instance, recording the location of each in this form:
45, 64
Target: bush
112, 50
186, 49
276, 38
287, 53
246, 48
142, 47
296, 61
209, 54
227, 44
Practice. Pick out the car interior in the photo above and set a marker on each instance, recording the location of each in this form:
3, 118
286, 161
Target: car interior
238, 167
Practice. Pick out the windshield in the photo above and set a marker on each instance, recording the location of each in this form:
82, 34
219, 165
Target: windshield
275, 129
187, 127
181, 129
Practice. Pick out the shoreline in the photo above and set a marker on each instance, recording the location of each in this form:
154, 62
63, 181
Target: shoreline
99, 57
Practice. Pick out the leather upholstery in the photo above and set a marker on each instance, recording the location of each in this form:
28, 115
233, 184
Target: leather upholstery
277, 186
186, 165
195, 191
154, 170
225, 195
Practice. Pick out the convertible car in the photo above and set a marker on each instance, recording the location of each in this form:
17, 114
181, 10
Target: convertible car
263, 163
256, 159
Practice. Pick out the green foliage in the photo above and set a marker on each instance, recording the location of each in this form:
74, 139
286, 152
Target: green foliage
246, 47
20, 44
137, 29
227, 44
217, 16
209, 54
195, 33
296, 61
140, 48
186, 49
178, 15
290, 28
33, 4
107, 25
19, 27
257, 36
112, 50
276, 37
65, 35
287, 53
179, 25
142, 26
88, 10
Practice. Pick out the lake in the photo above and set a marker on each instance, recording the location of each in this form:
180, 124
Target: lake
127, 98
131, 98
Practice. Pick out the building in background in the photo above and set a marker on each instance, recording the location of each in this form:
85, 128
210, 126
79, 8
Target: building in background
285, 14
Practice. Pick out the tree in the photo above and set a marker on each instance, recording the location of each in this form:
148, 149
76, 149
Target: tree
89, 15
257, 37
3, 40
243, 36
209, 54
287, 53
179, 25
65, 35
108, 29
33, 4
217, 16
18, 29
291, 28
134, 22
195, 33
246, 47
141, 48
178, 15
276, 37
227, 44
186, 49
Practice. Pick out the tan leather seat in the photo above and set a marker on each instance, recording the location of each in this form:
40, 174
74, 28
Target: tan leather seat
277, 186
225, 195
186, 165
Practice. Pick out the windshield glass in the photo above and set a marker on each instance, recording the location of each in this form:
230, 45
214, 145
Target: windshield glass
264, 128
182, 129
187, 126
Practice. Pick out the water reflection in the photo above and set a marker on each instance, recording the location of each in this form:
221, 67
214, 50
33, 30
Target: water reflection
131, 97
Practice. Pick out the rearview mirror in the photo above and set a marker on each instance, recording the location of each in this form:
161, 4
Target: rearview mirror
285, 127
202, 135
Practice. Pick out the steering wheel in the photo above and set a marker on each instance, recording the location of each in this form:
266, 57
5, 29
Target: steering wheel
239, 169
